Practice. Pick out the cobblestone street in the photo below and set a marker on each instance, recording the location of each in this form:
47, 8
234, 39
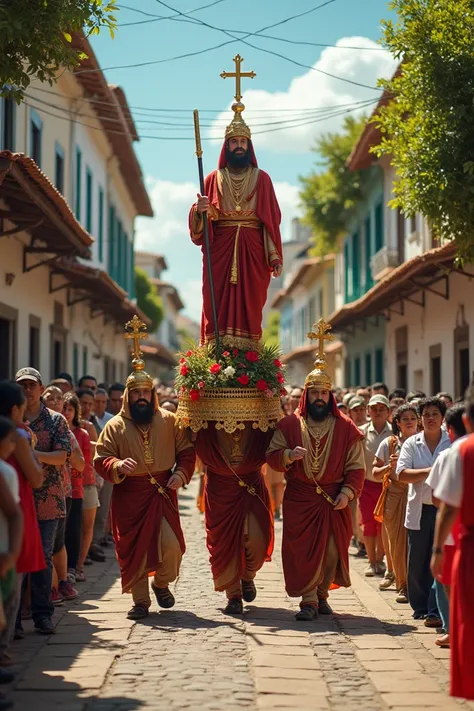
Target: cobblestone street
370, 656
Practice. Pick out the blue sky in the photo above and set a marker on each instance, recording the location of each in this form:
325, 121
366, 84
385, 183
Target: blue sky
280, 90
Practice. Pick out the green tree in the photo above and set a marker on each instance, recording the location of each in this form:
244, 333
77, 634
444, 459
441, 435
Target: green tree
36, 36
428, 126
329, 195
271, 332
148, 299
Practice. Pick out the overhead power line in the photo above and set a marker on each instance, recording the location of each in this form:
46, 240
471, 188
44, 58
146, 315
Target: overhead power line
158, 18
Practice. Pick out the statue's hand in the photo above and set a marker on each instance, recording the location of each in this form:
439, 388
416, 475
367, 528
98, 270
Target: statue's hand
202, 203
277, 270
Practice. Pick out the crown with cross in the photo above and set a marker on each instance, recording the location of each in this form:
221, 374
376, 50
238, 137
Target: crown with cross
135, 331
237, 126
319, 378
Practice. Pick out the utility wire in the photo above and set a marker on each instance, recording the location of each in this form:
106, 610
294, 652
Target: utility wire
268, 51
158, 18
190, 137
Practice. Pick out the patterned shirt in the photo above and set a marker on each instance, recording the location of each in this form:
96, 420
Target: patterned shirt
52, 432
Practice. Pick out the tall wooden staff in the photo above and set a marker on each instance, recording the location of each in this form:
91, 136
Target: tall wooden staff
197, 134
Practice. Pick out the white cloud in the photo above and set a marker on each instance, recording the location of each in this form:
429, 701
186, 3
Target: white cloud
314, 90
167, 233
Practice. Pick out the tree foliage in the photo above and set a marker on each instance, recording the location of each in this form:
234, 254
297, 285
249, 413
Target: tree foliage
428, 126
271, 332
148, 299
36, 36
329, 195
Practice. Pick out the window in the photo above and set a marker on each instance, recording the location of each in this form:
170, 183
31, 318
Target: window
78, 182
368, 253
379, 365
347, 371
34, 342
8, 339
401, 351
75, 363
126, 268
100, 226
36, 131
85, 360
320, 303
379, 240
357, 380
435, 368
89, 200
346, 271
462, 370
131, 267
59, 167
111, 256
355, 265
368, 368
118, 253
8, 125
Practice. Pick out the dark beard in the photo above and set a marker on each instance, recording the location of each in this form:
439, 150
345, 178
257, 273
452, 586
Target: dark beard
237, 161
318, 412
142, 412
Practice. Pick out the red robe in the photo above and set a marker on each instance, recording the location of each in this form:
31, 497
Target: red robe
308, 519
227, 503
462, 621
239, 305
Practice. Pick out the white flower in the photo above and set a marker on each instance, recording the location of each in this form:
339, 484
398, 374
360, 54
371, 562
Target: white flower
229, 371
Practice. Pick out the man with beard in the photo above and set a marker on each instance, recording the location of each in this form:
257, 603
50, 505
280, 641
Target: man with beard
245, 242
147, 458
322, 454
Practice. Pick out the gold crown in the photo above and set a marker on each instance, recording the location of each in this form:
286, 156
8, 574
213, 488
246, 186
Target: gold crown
237, 126
138, 378
319, 378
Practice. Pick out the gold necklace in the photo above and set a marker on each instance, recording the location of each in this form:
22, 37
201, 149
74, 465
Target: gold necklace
237, 186
317, 432
147, 453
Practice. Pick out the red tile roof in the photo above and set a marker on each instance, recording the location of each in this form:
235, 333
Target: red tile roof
113, 112
42, 188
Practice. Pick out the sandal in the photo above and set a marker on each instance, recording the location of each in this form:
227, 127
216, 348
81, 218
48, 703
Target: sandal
96, 553
307, 613
234, 607
137, 612
249, 591
164, 597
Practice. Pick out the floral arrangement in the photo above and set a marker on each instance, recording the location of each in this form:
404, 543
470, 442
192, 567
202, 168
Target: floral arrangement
200, 369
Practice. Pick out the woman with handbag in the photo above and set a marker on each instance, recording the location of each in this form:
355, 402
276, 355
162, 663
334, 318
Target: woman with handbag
391, 506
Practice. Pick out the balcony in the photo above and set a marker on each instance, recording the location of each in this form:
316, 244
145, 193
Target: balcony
383, 262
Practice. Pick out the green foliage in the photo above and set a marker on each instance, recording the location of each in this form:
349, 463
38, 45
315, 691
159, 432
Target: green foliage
428, 127
235, 368
271, 332
329, 195
36, 35
148, 299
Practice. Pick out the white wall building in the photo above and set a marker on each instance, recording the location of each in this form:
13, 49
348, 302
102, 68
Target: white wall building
71, 188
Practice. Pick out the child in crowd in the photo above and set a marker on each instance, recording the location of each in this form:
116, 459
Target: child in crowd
11, 537
72, 413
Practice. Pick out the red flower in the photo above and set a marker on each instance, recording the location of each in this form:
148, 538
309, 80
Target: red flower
215, 368
201, 384
252, 356
184, 370
261, 385
194, 394
189, 353
226, 354
242, 365
277, 362
283, 392
182, 360
280, 377
243, 379
235, 352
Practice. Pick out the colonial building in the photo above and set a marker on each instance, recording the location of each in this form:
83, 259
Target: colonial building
412, 323
71, 187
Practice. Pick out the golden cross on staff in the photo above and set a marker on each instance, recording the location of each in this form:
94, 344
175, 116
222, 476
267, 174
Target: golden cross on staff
238, 75
137, 332
321, 334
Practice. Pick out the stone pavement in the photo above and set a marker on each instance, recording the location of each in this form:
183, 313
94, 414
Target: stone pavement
371, 655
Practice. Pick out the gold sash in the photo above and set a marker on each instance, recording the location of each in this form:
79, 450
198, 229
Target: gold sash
254, 224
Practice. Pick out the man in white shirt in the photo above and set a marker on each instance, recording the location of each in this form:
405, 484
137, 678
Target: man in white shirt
417, 456
456, 430
100, 407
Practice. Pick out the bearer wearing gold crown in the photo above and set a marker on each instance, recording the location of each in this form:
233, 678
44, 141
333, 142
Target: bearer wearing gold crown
321, 452
244, 233
144, 454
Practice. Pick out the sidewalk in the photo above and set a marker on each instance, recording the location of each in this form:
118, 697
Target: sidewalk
370, 656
